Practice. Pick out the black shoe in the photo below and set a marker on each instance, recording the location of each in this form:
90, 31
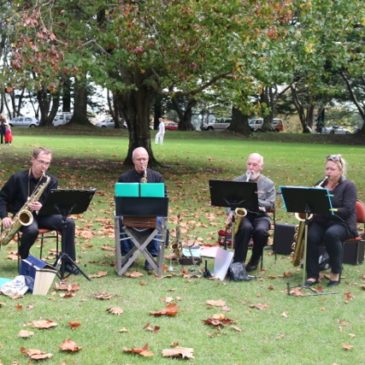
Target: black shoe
311, 282
148, 267
333, 283
251, 267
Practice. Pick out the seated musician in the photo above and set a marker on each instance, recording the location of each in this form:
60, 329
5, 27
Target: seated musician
332, 230
21, 187
141, 173
254, 225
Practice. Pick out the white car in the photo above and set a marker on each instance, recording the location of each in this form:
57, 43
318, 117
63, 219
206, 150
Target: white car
217, 125
335, 130
61, 119
24, 122
106, 123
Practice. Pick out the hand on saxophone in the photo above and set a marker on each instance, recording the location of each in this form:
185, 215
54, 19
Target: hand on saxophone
35, 206
7, 221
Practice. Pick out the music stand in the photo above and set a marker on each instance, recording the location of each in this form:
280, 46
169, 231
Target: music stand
307, 201
66, 202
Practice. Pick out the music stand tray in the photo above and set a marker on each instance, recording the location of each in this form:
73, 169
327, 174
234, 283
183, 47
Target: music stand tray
307, 200
234, 194
67, 202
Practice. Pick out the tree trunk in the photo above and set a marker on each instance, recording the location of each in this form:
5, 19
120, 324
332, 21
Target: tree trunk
45, 99
239, 122
185, 113
135, 107
80, 103
66, 95
303, 116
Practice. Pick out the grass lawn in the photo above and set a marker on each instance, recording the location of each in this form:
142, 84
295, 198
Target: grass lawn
270, 327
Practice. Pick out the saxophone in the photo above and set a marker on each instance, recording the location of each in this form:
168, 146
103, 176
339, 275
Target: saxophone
298, 244
24, 216
240, 213
144, 177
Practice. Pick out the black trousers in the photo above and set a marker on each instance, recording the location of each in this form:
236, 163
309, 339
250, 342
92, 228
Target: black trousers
256, 227
53, 222
332, 237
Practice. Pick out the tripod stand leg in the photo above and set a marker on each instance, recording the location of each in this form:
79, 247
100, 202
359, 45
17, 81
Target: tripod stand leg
61, 262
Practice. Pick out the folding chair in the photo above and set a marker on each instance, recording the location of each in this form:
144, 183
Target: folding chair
140, 231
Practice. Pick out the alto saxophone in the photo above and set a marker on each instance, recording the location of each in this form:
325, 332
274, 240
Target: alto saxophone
24, 217
240, 213
144, 177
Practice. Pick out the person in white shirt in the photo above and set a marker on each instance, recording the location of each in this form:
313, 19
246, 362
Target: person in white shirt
161, 132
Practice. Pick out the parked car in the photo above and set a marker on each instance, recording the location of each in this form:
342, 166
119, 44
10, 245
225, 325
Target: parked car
217, 125
256, 124
171, 126
105, 123
62, 119
335, 130
24, 122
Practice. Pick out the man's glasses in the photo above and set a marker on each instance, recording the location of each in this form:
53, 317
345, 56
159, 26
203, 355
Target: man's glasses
335, 158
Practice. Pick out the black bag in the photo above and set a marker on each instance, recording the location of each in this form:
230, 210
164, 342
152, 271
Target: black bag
237, 272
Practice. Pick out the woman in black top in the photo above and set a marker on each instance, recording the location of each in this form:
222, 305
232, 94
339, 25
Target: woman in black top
332, 229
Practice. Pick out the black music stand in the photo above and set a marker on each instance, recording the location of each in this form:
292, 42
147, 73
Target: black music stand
234, 194
66, 202
307, 201
142, 207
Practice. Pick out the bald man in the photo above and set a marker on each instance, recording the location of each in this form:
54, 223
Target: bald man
254, 225
141, 173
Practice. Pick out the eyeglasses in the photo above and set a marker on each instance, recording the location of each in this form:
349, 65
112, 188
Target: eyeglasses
335, 158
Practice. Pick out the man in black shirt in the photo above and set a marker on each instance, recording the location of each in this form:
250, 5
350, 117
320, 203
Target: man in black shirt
16, 192
140, 173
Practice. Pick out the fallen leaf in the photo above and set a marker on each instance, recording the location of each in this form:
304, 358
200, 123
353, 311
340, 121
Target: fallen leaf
103, 296
25, 334
44, 324
296, 292
179, 352
347, 347
67, 295
99, 274
216, 303
218, 320
35, 354
170, 310
348, 296
133, 274
141, 351
65, 286
19, 307
107, 248
236, 328
123, 330
259, 306
69, 346
284, 314
115, 310
73, 325
150, 328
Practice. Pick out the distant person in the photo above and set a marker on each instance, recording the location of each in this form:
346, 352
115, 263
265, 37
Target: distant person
2, 128
8, 134
161, 132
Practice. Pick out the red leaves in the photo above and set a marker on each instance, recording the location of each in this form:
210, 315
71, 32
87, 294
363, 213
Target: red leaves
69, 346
218, 320
170, 310
35, 354
141, 351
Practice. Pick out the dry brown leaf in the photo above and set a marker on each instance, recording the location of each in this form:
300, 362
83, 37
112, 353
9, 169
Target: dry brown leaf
296, 292
103, 296
218, 320
99, 274
216, 303
150, 328
133, 274
348, 296
69, 346
347, 347
44, 324
19, 307
179, 352
115, 310
67, 295
25, 334
141, 351
35, 354
65, 286
236, 328
107, 248
287, 274
73, 324
259, 306
170, 310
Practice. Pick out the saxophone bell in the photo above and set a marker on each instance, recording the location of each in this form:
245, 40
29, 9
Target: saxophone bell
239, 214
